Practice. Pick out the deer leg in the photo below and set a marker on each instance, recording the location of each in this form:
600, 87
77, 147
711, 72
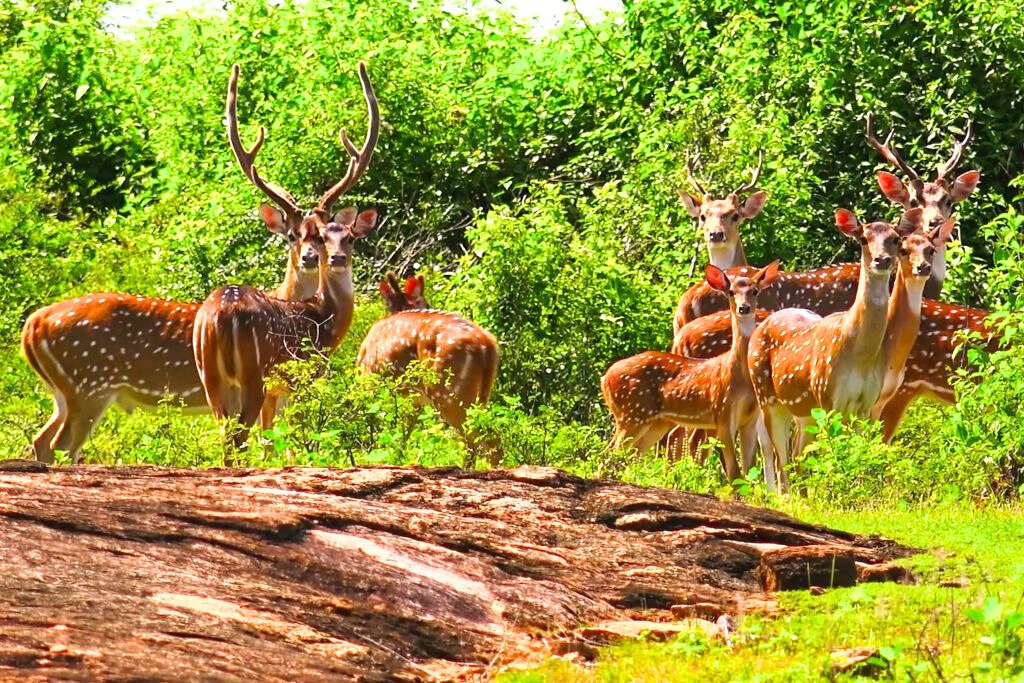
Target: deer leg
726, 436
651, 435
894, 410
748, 443
252, 400
81, 418
41, 446
778, 424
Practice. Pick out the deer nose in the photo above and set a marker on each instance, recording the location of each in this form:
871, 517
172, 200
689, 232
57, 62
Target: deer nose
743, 309
337, 260
923, 269
310, 260
882, 262
716, 236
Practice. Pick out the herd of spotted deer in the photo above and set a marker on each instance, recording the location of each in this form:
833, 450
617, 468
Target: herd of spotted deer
743, 363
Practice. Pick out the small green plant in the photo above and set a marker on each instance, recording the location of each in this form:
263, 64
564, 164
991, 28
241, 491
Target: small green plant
1003, 637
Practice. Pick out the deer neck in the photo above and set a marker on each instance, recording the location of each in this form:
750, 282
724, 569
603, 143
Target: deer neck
299, 283
334, 305
726, 258
933, 287
864, 323
741, 333
903, 320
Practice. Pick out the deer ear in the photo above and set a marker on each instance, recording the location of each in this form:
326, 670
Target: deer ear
767, 275
940, 235
691, 203
847, 223
385, 290
753, 205
365, 223
893, 188
346, 216
911, 221
964, 185
717, 278
414, 286
274, 219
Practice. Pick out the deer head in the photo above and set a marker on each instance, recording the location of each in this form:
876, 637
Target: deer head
313, 235
879, 240
340, 234
742, 291
407, 297
937, 198
720, 219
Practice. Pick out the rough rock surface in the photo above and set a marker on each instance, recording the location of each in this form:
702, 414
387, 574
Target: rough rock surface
375, 574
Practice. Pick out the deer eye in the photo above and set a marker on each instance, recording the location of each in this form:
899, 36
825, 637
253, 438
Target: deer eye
702, 218
735, 215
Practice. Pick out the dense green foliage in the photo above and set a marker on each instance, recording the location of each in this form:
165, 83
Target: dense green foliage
532, 179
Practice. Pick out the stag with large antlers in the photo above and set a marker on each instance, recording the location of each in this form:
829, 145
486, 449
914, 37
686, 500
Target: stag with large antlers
463, 354
799, 361
105, 348
241, 334
937, 198
652, 392
720, 219
831, 289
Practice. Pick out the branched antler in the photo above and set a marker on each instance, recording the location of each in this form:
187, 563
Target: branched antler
246, 157
890, 154
360, 157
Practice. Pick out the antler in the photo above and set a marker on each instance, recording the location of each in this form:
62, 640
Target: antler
692, 177
889, 152
361, 157
247, 157
958, 152
755, 174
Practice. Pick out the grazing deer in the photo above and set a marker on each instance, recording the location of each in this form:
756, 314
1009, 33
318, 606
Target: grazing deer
106, 347
831, 289
799, 361
650, 393
241, 334
720, 219
464, 355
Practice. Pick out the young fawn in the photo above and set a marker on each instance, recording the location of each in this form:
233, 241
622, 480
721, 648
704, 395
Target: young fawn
799, 361
464, 355
650, 393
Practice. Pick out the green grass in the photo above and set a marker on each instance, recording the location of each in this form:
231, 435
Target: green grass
927, 632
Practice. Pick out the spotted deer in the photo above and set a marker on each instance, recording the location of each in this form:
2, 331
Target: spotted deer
242, 334
720, 219
463, 354
930, 367
107, 347
650, 393
831, 289
799, 361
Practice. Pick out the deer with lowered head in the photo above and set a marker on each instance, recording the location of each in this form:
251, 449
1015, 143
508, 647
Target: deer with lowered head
652, 392
464, 355
241, 334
